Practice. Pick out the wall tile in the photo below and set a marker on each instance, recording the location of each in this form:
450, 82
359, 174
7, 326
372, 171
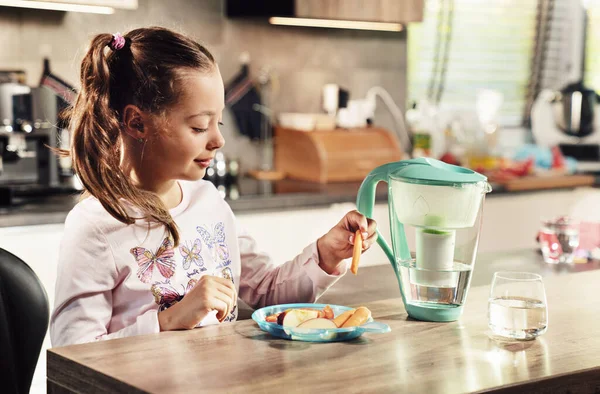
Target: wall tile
302, 59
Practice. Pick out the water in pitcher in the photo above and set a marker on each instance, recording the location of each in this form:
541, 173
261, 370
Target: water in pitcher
435, 288
517, 317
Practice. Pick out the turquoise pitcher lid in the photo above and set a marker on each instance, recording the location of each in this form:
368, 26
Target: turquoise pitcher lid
429, 171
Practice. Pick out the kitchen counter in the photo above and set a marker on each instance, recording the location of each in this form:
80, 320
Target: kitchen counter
248, 195
419, 357
379, 282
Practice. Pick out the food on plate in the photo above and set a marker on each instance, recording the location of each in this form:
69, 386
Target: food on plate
294, 317
358, 318
319, 322
342, 317
273, 318
327, 312
358, 245
315, 318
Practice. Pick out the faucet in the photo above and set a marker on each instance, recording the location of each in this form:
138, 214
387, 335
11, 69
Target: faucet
401, 130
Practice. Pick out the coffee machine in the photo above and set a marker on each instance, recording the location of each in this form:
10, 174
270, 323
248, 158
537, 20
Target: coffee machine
569, 119
28, 130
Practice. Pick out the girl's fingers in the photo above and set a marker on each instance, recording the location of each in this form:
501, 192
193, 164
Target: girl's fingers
356, 221
230, 294
368, 238
220, 303
367, 243
371, 227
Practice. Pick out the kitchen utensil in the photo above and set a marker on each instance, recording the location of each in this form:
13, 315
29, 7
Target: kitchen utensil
569, 119
335, 155
439, 206
333, 98
306, 121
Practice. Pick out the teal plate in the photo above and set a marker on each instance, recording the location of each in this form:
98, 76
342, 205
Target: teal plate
314, 334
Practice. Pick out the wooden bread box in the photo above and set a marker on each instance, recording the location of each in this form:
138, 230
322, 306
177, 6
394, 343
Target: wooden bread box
338, 155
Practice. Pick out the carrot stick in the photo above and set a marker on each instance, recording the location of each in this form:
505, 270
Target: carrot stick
341, 319
272, 318
359, 317
327, 312
356, 252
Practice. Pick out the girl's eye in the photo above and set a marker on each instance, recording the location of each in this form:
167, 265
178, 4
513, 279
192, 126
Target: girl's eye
197, 130
221, 124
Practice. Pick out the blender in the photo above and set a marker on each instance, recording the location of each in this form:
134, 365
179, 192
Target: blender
438, 208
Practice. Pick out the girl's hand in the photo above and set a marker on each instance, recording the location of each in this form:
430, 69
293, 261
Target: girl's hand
210, 293
338, 243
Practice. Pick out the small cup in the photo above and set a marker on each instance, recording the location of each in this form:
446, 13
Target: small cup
559, 239
517, 307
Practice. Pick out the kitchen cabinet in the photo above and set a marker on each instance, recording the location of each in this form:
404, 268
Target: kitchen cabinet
399, 11
510, 222
121, 4
91, 6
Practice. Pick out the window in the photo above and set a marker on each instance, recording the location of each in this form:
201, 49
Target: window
592, 47
463, 46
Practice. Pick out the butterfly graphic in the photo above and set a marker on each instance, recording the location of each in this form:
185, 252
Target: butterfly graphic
192, 254
216, 242
162, 259
166, 295
225, 273
232, 315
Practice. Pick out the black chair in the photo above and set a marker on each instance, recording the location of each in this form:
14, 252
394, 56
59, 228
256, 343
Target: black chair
24, 314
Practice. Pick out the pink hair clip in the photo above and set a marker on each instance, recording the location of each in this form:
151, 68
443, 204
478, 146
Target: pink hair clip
118, 42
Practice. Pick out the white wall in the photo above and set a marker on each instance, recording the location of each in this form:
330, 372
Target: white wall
510, 222
38, 247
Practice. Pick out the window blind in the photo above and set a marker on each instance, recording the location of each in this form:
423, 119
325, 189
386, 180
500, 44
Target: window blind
563, 33
592, 47
463, 46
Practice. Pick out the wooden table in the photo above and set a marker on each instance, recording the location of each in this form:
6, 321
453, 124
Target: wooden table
415, 357
379, 282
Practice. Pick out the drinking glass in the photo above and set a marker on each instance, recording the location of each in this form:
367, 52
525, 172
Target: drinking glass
559, 238
517, 307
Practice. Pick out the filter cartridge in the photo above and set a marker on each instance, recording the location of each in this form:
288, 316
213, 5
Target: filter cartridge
435, 258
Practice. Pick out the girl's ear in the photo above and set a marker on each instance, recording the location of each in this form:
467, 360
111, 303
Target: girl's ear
134, 122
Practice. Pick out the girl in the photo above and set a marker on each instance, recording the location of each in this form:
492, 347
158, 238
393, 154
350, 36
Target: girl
153, 247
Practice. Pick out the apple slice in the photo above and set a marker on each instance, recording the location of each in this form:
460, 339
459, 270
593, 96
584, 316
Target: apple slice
295, 317
328, 312
319, 322
281, 316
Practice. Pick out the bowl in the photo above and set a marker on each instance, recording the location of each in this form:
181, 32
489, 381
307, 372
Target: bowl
313, 334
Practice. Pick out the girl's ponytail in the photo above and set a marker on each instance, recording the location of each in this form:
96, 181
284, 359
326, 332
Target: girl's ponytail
96, 136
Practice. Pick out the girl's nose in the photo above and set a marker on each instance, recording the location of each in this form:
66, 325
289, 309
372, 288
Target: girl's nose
217, 141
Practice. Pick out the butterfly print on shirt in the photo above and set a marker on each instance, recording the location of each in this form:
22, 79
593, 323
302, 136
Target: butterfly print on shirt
165, 295
162, 259
232, 314
192, 253
225, 273
194, 273
215, 241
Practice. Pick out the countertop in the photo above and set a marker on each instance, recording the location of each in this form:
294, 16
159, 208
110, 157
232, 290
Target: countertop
246, 195
415, 356
379, 282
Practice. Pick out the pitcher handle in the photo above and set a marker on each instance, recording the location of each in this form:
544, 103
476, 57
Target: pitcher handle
365, 201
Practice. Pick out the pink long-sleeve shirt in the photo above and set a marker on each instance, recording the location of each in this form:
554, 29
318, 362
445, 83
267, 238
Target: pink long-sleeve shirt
114, 278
